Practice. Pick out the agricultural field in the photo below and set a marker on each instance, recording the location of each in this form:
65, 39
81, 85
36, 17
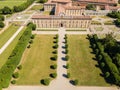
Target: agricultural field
36, 61
11, 3
82, 65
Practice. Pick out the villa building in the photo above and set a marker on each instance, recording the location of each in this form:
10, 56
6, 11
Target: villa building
65, 15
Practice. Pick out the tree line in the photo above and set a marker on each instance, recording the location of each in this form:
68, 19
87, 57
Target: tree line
11, 64
115, 14
107, 52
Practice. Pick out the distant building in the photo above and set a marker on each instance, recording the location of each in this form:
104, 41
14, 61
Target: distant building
99, 4
65, 15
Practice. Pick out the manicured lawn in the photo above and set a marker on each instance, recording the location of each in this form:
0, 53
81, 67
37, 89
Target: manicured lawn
82, 65
5, 36
4, 56
36, 61
46, 13
37, 7
11, 3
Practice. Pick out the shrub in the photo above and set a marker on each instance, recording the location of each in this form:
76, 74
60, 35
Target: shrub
19, 67
54, 58
107, 74
56, 41
13, 82
1, 24
75, 82
102, 64
45, 81
67, 66
32, 36
66, 51
66, 57
15, 75
31, 41
100, 57
55, 46
55, 52
28, 46
2, 18
68, 75
53, 75
53, 66
66, 45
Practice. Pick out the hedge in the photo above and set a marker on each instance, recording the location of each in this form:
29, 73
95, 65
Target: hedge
8, 68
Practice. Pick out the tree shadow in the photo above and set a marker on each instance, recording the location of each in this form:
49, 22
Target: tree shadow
64, 66
63, 52
97, 66
94, 58
64, 75
63, 58
63, 47
71, 82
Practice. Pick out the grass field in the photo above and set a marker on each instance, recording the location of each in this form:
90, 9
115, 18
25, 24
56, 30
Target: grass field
4, 56
36, 61
82, 65
11, 3
5, 36
37, 7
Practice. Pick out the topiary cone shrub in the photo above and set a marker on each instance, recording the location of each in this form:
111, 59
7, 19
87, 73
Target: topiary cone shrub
15, 75
53, 66
45, 81
53, 75
13, 82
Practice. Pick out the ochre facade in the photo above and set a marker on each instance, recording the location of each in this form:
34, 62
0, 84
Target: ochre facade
66, 15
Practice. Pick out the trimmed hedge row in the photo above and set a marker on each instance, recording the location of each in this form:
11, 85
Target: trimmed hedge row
109, 69
8, 68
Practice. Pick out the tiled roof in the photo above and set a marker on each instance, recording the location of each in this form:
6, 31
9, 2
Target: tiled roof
37, 16
99, 1
75, 7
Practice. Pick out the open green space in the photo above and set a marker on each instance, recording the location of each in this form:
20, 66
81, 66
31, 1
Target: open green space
37, 7
36, 61
82, 65
11, 3
4, 56
5, 36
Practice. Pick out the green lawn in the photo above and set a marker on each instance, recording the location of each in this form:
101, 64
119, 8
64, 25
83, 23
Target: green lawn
11, 3
37, 7
36, 61
82, 66
5, 36
4, 56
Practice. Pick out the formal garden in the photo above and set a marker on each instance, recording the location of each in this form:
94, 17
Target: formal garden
82, 65
39, 61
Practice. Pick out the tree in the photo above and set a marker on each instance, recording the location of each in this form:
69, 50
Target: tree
2, 18
42, 1
107, 74
6, 10
90, 7
1, 24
